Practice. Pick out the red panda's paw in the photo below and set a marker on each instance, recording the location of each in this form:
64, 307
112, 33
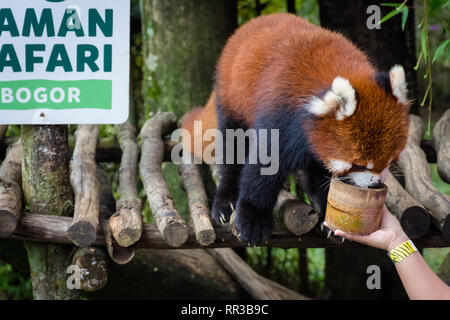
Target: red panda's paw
330, 234
222, 209
252, 225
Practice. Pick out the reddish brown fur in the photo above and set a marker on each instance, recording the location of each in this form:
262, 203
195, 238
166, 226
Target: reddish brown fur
284, 55
208, 118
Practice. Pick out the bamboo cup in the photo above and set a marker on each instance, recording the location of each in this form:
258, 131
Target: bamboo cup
353, 209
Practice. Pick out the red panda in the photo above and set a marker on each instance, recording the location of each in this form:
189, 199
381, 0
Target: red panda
335, 112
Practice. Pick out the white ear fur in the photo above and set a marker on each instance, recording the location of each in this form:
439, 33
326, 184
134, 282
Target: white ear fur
338, 166
341, 99
398, 83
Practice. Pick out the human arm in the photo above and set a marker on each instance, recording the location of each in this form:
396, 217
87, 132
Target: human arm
420, 282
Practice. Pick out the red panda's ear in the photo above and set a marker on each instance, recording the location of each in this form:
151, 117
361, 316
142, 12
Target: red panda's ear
398, 83
339, 99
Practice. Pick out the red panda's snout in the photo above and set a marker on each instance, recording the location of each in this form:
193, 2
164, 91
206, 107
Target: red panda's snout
358, 175
365, 179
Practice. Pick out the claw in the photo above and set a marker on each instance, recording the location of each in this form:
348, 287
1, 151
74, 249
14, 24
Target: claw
232, 207
321, 227
329, 234
342, 240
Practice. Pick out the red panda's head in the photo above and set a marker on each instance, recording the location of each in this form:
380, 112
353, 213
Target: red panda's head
361, 125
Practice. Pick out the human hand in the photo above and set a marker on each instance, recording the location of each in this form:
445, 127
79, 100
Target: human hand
387, 237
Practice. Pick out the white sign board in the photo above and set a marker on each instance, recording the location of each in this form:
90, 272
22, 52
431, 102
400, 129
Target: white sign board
64, 61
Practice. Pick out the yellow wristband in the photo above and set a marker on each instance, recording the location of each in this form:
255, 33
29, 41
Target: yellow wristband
402, 251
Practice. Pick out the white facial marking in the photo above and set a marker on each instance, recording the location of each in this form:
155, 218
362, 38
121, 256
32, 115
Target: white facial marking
341, 99
398, 83
337, 166
369, 165
364, 179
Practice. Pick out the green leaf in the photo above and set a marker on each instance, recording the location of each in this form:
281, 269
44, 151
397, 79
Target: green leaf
405, 12
441, 49
389, 15
416, 67
423, 43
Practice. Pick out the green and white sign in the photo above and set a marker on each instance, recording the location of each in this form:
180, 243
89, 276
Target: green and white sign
64, 61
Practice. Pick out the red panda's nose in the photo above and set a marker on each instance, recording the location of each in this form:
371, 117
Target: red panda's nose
375, 182
376, 185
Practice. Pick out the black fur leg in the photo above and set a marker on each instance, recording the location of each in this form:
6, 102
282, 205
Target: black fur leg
228, 189
227, 193
257, 197
253, 225
258, 191
222, 209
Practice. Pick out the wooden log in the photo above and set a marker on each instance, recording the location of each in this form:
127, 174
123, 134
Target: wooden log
106, 152
168, 220
117, 253
256, 286
441, 143
44, 228
46, 189
10, 190
93, 264
3, 130
290, 213
418, 178
413, 217
85, 186
152, 274
112, 153
198, 204
126, 223
171, 275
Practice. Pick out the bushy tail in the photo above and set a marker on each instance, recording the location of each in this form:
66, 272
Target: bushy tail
208, 118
